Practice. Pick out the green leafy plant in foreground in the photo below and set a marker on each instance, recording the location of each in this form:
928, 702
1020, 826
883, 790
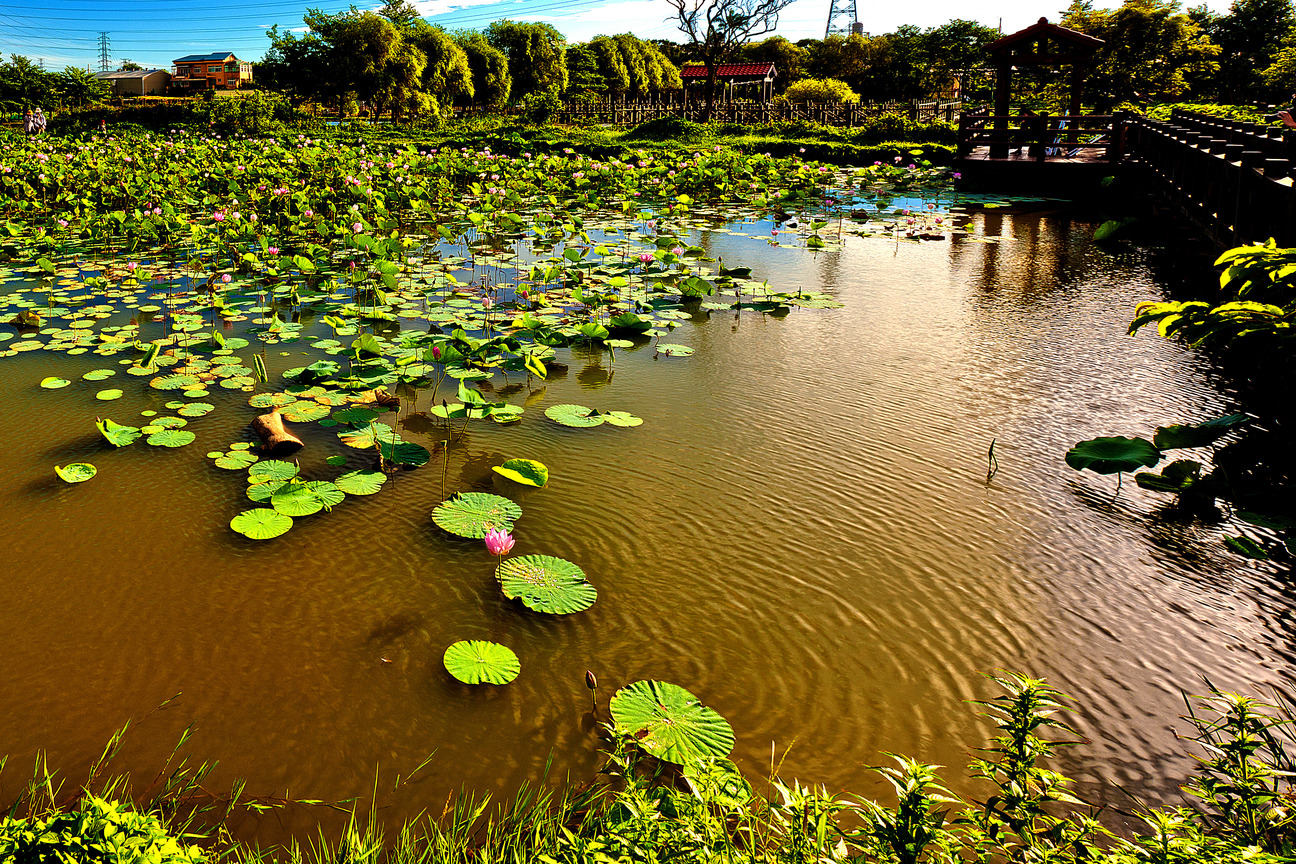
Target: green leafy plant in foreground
701, 808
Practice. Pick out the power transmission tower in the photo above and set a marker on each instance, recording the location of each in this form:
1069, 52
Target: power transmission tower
843, 19
104, 44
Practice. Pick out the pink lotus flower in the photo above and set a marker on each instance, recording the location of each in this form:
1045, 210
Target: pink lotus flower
645, 257
225, 277
498, 542
356, 228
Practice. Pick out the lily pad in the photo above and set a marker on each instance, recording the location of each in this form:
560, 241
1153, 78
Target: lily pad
577, 416
404, 453
671, 350
117, 434
54, 383
77, 472
670, 723
196, 409
1113, 455
305, 411
478, 662
546, 584
364, 482
621, 418
271, 400
272, 469
337, 460
528, 472
297, 499
235, 460
356, 416
261, 524
98, 374
171, 438
1179, 435
108, 395
472, 514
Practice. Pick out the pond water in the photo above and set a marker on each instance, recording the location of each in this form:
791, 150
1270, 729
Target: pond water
801, 533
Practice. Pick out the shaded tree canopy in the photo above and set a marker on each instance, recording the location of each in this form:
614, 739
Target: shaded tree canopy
536, 56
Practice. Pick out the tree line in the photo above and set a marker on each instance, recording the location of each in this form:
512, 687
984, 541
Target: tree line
25, 86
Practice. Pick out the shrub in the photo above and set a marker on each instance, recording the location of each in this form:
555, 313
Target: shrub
99, 830
820, 90
541, 105
666, 129
254, 111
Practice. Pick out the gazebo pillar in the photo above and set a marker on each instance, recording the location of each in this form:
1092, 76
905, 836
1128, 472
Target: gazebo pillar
1003, 88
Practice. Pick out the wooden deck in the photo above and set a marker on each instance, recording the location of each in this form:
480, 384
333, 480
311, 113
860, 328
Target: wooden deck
1081, 156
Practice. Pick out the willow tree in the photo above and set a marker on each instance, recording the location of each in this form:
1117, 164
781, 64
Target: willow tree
611, 66
537, 55
718, 28
490, 72
448, 76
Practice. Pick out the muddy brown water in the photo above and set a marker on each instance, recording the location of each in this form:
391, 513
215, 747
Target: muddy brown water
801, 533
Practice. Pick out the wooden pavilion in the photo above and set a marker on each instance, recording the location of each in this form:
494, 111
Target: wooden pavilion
759, 77
1041, 44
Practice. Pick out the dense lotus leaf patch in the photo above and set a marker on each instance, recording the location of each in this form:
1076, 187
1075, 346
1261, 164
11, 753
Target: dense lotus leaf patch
77, 472
546, 584
472, 514
261, 523
1113, 455
670, 723
528, 472
478, 662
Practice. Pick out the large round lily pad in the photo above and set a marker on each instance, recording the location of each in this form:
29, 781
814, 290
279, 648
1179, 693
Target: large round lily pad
171, 438
261, 524
271, 469
478, 662
528, 472
1113, 455
577, 416
546, 584
362, 482
472, 514
54, 383
670, 723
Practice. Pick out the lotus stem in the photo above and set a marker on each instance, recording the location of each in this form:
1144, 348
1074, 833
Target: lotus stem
992, 464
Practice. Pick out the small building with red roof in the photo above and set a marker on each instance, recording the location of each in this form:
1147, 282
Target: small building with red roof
759, 76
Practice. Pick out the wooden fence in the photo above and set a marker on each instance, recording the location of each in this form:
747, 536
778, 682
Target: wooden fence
1233, 179
1040, 137
841, 114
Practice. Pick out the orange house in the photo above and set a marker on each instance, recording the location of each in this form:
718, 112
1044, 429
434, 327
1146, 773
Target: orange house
220, 70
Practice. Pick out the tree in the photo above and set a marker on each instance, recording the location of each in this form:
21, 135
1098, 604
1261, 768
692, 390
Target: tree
1152, 50
611, 66
584, 80
537, 56
77, 88
788, 59
718, 28
23, 84
1249, 41
129, 66
490, 72
821, 90
368, 53
953, 48
299, 68
448, 76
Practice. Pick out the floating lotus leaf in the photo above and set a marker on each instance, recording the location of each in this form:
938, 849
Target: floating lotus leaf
195, 394
170, 422
77, 472
336, 460
577, 416
404, 453
356, 416
621, 418
472, 514
670, 723
1112, 455
174, 382
295, 499
674, 350
367, 437
304, 411
546, 584
1178, 435
262, 492
261, 524
98, 374
1247, 547
196, 409
237, 383
241, 445
171, 438
108, 395
271, 400
54, 383
525, 471
272, 469
236, 460
364, 482
117, 434
475, 662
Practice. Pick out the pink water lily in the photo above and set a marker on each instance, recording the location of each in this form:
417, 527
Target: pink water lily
498, 542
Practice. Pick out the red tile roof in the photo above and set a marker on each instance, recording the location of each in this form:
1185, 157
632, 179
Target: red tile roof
728, 70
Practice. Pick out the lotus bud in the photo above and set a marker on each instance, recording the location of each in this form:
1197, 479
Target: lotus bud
436, 353
590, 681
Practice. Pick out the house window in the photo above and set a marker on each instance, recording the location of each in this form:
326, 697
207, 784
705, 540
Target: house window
213, 70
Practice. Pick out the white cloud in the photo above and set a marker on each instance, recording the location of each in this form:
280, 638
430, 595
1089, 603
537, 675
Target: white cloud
431, 8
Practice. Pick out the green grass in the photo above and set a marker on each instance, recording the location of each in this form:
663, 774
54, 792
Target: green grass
642, 810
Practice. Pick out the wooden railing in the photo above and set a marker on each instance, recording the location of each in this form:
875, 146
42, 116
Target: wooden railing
1233, 179
1039, 136
752, 113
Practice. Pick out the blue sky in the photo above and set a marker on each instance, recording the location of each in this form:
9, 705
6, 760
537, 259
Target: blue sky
155, 32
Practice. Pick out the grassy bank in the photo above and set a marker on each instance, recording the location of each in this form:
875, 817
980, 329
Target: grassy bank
640, 809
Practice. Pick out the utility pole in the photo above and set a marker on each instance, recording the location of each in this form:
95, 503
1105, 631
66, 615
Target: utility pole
104, 44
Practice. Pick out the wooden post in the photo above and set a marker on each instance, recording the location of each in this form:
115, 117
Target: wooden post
1003, 85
